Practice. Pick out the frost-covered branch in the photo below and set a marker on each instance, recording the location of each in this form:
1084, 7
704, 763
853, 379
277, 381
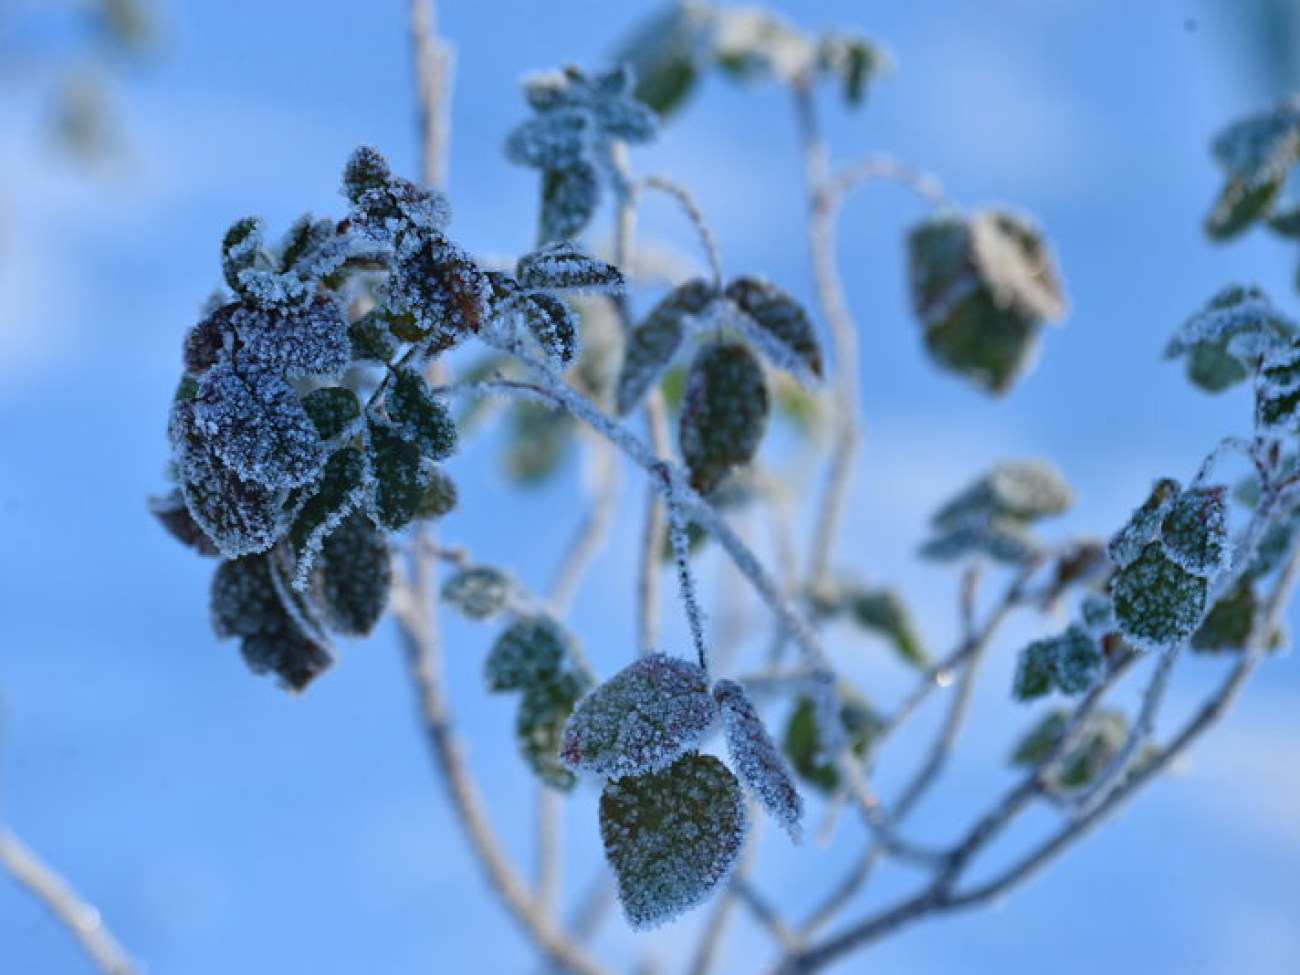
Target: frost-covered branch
81, 918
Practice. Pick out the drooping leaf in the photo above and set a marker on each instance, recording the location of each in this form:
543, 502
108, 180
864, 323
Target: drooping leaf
653, 344
671, 836
544, 709
478, 591
1158, 603
333, 409
883, 611
418, 416
756, 758
529, 653
982, 286
353, 576
551, 322
562, 265
570, 197
640, 720
784, 331
245, 604
724, 413
339, 490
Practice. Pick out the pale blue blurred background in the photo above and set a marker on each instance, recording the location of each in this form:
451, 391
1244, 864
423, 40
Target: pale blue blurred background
223, 826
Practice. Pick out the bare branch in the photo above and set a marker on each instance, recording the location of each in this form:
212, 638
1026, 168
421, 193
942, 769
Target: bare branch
433, 73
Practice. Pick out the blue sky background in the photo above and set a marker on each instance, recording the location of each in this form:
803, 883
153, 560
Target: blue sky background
222, 826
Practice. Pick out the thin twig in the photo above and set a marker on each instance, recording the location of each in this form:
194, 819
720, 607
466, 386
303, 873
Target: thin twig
73, 911
550, 835
686, 201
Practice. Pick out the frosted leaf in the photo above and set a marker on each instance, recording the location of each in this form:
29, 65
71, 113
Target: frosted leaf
1131, 540
1102, 737
641, 719
386, 207
528, 653
627, 120
981, 286
245, 604
333, 409
1226, 341
544, 709
353, 576
418, 416
1158, 603
672, 836
441, 289
210, 341
562, 265
784, 332
724, 413
478, 591
1255, 154
257, 426
1228, 624
314, 248
1070, 662
304, 340
756, 759
1277, 390
752, 43
856, 61
883, 611
802, 743
340, 489
242, 251
570, 197
557, 139
1194, 530
239, 516
551, 322
439, 496
666, 53
652, 345
1097, 613
400, 478
371, 339
171, 512
1002, 539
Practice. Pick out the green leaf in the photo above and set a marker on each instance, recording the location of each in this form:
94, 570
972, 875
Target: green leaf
333, 409
340, 489
478, 591
1256, 154
652, 345
544, 709
641, 719
785, 332
1158, 603
529, 653
1230, 337
724, 413
1228, 624
1099, 741
245, 604
756, 758
1039, 741
855, 61
418, 416
883, 611
802, 742
1070, 662
563, 265
570, 197
981, 286
672, 836
1131, 540
370, 339
400, 477
440, 496
1238, 206
353, 576
1194, 530
666, 54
